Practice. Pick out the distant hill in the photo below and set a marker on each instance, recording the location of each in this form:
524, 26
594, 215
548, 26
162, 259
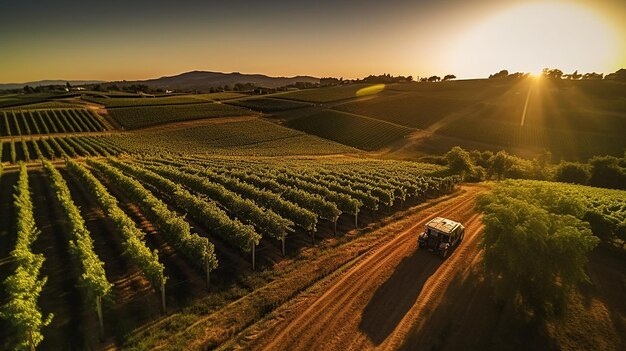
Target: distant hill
201, 80
7, 86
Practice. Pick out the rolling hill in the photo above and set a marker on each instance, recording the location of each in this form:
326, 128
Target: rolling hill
201, 80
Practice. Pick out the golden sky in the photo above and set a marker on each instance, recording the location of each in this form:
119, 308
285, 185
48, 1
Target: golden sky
115, 40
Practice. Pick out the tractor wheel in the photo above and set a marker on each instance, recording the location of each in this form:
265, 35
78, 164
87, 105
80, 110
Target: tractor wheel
444, 254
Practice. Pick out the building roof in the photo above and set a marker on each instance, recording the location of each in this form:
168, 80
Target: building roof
443, 225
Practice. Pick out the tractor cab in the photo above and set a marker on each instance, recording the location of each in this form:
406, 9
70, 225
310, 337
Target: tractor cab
441, 235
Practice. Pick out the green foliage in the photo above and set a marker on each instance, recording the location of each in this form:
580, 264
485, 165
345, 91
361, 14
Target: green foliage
52, 147
608, 172
265, 221
246, 137
535, 249
572, 172
144, 116
93, 277
173, 226
77, 120
24, 286
134, 245
202, 210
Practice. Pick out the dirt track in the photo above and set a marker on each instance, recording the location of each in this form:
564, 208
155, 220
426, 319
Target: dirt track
376, 302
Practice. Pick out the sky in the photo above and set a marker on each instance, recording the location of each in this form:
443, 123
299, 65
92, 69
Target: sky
129, 40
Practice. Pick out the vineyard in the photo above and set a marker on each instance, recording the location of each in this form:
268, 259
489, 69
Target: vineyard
209, 213
324, 95
49, 121
144, 116
117, 101
268, 105
244, 136
604, 209
353, 130
50, 148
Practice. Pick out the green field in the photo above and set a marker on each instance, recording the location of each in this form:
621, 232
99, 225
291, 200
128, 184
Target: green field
360, 132
247, 137
322, 95
50, 148
144, 116
49, 121
268, 104
113, 101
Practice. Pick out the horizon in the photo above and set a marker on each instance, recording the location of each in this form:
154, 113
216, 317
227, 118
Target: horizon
77, 41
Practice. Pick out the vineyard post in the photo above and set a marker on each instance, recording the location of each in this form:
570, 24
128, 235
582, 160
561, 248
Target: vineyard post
253, 258
356, 217
163, 295
99, 310
206, 267
31, 343
282, 240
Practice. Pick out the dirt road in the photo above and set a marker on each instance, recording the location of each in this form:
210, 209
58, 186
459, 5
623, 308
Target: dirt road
376, 302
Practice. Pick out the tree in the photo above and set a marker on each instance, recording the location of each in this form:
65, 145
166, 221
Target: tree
593, 75
573, 76
572, 172
499, 164
607, 172
533, 256
553, 73
434, 78
449, 77
502, 74
423, 79
459, 161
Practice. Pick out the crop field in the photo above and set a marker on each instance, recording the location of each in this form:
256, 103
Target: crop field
323, 95
415, 111
144, 116
268, 105
607, 204
114, 102
566, 119
360, 132
103, 238
50, 148
238, 137
49, 121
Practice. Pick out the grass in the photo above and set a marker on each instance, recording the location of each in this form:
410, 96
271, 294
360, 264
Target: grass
360, 132
114, 102
268, 104
244, 137
144, 116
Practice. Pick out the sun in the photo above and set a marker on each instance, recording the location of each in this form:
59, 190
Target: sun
528, 38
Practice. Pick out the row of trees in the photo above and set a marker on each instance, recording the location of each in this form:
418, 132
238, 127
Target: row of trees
555, 73
599, 171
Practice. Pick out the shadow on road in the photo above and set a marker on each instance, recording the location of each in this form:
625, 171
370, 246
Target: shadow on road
398, 294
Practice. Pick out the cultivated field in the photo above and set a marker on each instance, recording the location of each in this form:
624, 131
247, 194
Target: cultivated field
49, 121
235, 136
145, 116
349, 129
101, 220
112, 101
268, 105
